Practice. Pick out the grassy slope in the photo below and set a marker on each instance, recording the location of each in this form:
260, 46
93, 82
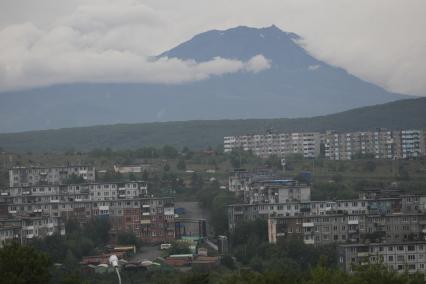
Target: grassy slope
200, 134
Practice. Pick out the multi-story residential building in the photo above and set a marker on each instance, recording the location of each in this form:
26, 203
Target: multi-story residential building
411, 143
74, 192
238, 213
29, 176
127, 205
276, 191
341, 228
398, 256
241, 178
25, 227
379, 144
279, 144
10, 230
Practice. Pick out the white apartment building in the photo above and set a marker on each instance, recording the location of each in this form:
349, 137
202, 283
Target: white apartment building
279, 144
28, 176
398, 256
412, 143
74, 192
378, 144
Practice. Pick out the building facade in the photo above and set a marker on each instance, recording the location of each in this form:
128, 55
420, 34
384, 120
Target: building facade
238, 213
26, 227
279, 144
29, 176
398, 256
273, 191
378, 144
345, 228
127, 205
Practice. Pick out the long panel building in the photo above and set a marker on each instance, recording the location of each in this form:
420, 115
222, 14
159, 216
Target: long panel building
398, 256
379, 144
28, 176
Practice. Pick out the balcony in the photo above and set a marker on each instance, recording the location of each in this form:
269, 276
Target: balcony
352, 222
307, 224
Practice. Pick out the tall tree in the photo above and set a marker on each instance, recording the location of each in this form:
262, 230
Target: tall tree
22, 264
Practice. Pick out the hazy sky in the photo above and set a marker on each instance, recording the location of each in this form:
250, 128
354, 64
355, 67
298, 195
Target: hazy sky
44, 42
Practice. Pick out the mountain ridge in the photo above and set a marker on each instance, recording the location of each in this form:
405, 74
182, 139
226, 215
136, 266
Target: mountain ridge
403, 114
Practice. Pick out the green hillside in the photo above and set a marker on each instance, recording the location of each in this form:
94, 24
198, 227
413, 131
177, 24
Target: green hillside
408, 113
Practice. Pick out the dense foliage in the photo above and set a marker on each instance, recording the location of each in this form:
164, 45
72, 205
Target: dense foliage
22, 264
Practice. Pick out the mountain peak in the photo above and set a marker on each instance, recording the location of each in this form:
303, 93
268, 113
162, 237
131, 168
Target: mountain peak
243, 43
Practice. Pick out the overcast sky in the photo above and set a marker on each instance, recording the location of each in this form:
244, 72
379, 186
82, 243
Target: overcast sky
45, 42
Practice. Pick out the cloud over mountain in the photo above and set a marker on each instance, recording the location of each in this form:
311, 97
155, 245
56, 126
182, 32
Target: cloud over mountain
89, 46
379, 41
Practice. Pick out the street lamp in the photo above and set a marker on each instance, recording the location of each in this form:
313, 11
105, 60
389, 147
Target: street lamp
113, 261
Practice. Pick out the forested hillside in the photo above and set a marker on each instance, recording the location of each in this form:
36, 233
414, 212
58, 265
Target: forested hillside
199, 134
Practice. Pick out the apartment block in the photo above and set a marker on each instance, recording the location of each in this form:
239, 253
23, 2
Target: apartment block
378, 144
127, 206
29, 176
279, 144
238, 213
276, 191
25, 227
240, 180
398, 256
344, 228
74, 192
